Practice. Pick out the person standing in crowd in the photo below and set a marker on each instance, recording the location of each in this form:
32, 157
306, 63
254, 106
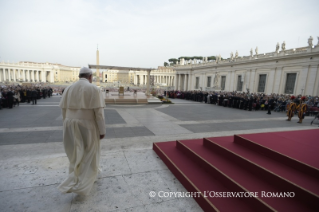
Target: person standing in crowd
50, 91
302, 109
10, 98
44, 93
0, 99
270, 101
291, 108
16, 97
82, 107
29, 95
34, 96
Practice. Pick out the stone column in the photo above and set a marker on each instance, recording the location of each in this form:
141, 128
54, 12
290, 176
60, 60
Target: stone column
52, 77
14, 75
148, 82
1, 75
175, 81
186, 82
179, 82
190, 86
38, 79
301, 87
4, 75
9, 74
19, 74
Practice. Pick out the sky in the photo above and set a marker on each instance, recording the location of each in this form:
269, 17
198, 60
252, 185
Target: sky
146, 33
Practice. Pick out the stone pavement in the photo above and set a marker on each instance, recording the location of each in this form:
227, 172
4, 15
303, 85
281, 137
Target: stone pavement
33, 161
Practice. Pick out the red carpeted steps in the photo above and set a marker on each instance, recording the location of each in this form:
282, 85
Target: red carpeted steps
278, 167
248, 175
197, 178
263, 179
221, 165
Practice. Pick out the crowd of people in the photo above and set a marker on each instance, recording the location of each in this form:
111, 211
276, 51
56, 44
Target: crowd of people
13, 95
245, 100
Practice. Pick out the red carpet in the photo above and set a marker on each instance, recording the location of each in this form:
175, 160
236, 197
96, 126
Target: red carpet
248, 163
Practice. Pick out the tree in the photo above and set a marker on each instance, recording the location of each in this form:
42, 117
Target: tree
211, 58
198, 57
166, 64
173, 60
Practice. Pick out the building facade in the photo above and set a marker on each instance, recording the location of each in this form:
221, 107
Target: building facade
292, 71
161, 76
37, 72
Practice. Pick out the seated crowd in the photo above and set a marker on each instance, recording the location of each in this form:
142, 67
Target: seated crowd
11, 96
243, 100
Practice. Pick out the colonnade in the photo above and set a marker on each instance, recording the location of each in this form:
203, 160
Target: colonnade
141, 79
183, 82
18, 75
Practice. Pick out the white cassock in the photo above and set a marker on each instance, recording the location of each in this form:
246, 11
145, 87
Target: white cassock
83, 122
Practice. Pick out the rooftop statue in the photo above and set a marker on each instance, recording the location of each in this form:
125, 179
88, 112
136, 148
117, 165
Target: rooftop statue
256, 50
277, 47
310, 41
283, 46
251, 52
231, 56
236, 55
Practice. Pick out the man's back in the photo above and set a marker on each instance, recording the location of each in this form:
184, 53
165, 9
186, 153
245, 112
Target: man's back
83, 126
82, 95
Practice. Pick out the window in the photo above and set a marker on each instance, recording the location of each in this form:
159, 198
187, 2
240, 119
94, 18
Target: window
209, 79
223, 82
290, 83
197, 83
262, 83
239, 83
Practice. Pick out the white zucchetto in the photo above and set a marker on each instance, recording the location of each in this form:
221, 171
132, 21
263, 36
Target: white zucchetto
85, 70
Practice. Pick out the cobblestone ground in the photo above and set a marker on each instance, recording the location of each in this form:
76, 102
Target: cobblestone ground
33, 162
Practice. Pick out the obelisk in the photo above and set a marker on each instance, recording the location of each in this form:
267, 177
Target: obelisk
97, 70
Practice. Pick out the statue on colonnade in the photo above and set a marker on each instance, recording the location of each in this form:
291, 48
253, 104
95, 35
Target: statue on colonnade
231, 56
256, 50
277, 47
251, 52
236, 55
283, 46
310, 41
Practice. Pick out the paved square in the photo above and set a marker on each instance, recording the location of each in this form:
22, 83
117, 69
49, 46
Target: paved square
33, 161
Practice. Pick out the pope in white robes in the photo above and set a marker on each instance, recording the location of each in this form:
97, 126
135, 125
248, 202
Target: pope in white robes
82, 107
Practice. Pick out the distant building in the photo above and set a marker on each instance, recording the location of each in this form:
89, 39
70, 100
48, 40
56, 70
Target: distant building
284, 71
37, 72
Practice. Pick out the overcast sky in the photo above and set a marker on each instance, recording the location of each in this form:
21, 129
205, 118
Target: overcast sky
147, 33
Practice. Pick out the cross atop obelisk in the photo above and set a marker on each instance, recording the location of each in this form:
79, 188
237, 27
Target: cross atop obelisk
97, 70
